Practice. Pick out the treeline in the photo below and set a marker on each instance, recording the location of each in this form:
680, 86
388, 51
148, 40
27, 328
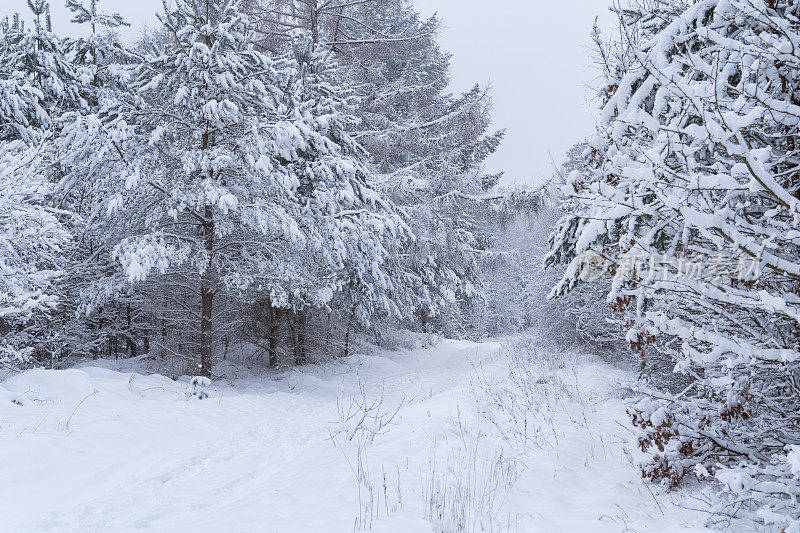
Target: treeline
275, 174
688, 199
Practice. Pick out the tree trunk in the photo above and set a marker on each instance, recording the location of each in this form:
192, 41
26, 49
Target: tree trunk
291, 320
129, 334
313, 15
347, 333
301, 337
96, 351
274, 314
163, 340
206, 296
347, 341
206, 291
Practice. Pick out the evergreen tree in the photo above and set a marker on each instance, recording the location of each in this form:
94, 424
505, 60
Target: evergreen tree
38, 79
426, 146
33, 242
239, 174
38, 82
96, 50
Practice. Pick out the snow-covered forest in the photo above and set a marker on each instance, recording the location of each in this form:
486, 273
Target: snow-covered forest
256, 276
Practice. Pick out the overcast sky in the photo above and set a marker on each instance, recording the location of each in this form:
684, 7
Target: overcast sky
535, 54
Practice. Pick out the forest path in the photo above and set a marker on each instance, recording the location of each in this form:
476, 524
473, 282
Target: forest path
103, 450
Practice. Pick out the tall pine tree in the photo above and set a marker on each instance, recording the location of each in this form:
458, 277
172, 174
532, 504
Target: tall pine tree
233, 172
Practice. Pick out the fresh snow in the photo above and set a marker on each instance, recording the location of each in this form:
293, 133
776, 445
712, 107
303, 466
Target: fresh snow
95, 449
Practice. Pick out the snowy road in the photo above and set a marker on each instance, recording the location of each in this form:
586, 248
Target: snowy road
111, 451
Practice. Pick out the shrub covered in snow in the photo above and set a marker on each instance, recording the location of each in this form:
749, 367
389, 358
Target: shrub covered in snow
692, 196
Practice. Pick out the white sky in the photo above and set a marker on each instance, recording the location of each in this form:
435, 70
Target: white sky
535, 53
537, 56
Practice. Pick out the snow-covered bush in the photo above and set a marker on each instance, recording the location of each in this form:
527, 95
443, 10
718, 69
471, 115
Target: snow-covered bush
691, 196
467, 493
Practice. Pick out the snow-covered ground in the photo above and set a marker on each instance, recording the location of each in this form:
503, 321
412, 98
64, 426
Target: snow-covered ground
457, 437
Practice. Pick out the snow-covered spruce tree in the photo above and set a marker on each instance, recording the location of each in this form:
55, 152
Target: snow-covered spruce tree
694, 172
346, 270
232, 174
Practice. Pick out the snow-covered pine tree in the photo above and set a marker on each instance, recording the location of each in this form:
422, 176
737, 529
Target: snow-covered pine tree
693, 177
366, 291
33, 242
426, 146
234, 172
104, 316
21, 108
38, 79
38, 82
97, 49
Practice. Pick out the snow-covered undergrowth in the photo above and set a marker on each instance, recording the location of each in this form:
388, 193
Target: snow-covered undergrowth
456, 437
